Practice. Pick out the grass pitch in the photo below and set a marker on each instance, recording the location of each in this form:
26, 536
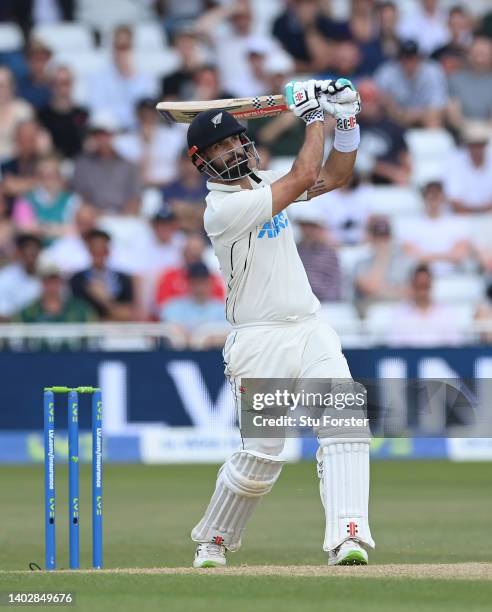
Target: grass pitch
431, 522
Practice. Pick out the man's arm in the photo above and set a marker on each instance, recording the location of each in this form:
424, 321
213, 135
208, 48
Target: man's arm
304, 172
305, 104
338, 168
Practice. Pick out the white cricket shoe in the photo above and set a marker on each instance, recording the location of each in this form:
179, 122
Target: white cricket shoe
209, 554
349, 552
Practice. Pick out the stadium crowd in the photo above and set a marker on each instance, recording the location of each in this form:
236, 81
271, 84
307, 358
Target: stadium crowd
101, 211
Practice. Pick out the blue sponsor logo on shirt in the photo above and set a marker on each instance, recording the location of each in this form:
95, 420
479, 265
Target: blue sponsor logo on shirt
272, 228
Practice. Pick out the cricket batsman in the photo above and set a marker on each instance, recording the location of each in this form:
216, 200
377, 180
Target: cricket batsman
276, 332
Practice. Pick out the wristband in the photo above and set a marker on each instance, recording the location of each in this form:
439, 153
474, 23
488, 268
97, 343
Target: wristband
347, 141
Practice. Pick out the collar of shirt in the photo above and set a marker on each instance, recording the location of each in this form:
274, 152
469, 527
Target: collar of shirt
213, 186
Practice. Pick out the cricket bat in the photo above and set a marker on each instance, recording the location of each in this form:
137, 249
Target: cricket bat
241, 108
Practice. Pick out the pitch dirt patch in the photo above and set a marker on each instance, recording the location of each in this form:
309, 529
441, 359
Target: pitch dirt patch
451, 571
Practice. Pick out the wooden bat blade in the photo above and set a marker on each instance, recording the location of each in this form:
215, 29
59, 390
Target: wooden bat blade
241, 108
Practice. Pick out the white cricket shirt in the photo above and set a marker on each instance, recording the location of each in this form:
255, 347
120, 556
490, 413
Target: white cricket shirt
265, 278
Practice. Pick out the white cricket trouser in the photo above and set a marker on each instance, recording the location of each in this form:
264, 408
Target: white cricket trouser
306, 349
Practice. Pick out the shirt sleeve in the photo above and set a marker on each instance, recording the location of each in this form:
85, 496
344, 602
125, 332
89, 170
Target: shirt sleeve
239, 212
437, 88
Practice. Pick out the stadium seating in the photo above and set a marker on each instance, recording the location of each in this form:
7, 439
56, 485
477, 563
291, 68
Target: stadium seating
65, 37
429, 150
395, 201
344, 319
11, 38
459, 288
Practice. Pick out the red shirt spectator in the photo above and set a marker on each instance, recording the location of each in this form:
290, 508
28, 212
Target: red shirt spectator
173, 282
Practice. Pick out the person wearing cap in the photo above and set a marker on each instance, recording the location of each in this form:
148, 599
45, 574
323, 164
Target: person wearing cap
199, 306
101, 176
415, 88
55, 304
272, 309
152, 145
468, 172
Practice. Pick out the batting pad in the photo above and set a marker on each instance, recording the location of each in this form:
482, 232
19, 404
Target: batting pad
242, 481
343, 469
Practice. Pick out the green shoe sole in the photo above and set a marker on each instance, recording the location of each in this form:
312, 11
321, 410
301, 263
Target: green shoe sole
354, 558
209, 564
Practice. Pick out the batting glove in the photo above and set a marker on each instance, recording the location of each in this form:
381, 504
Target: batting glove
303, 101
340, 100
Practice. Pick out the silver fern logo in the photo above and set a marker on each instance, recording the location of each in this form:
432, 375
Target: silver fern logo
217, 120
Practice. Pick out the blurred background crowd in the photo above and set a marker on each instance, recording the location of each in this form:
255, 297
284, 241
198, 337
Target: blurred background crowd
101, 211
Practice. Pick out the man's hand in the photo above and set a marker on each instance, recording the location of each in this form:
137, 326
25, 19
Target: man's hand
303, 101
341, 100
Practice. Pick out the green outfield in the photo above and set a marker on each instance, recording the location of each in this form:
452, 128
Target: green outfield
423, 515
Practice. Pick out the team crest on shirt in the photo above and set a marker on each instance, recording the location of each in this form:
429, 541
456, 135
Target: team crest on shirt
271, 229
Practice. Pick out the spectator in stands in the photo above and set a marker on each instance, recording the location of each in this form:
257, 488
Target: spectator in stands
70, 253
109, 291
179, 84
173, 282
383, 274
415, 87
383, 155
460, 27
12, 111
468, 173
451, 59
178, 14
118, 87
258, 50
470, 89
55, 304
319, 257
199, 306
308, 35
163, 251
19, 285
7, 233
186, 195
103, 178
228, 29
153, 146
48, 209
369, 53
32, 12
207, 84
35, 86
64, 120
281, 135
348, 60
18, 173
387, 25
438, 239
421, 322
483, 315
427, 25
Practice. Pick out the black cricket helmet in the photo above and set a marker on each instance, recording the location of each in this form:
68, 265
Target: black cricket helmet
210, 127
